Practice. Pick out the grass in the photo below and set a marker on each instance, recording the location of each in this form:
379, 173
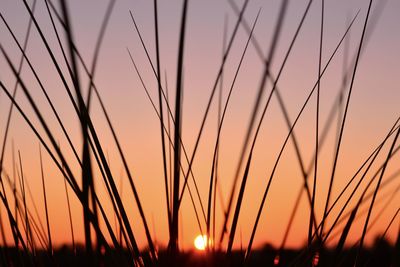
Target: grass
107, 243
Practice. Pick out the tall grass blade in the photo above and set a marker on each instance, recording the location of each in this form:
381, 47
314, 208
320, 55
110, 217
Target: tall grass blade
168, 133
260, 93
371, 160
171, 116
285, 112
344, 121
312, 212
161, 115
173, 241
25, 208
70, 218
216, 173
216, 82
215, 153
50, 248
288, 136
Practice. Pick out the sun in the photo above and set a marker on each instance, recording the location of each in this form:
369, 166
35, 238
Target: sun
200, 242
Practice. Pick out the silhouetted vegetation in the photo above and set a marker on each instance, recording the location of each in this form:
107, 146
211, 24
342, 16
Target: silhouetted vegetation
111, 241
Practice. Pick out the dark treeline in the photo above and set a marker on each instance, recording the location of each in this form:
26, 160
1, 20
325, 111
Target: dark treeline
382, 253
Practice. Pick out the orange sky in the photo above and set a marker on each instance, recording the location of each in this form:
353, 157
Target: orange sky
372, 112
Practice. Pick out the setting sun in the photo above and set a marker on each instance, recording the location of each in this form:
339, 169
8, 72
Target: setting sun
200, 242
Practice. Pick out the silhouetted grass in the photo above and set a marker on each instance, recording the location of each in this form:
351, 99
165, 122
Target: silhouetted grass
118, 245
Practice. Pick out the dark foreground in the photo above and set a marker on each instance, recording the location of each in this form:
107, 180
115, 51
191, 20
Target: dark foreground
380, 255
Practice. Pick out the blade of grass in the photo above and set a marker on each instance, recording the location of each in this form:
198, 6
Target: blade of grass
170, 146
385, 183
388, 195
375, 155
68, 175
338, 100
50, 105
374, 196
39, 137
227, 51
21, 63
43, 90
97, 144
48, 99
312, 211
15, 230
221, 123
267, 62
50, 248
90, 86
99, 42
87, 172
103, 161
25, 208
282, 105
70, 218
8, 122
344, 121
14, 191
169, 111
161, 114
289, 134
221, 88
169, 139
358, 241
261, 89
36, 222
173, 241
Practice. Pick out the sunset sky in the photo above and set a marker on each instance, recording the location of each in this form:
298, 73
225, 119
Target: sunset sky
372, 112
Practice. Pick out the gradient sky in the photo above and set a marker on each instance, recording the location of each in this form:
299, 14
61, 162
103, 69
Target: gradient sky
373, 107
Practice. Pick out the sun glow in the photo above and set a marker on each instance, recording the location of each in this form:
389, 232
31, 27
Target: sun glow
200, 242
